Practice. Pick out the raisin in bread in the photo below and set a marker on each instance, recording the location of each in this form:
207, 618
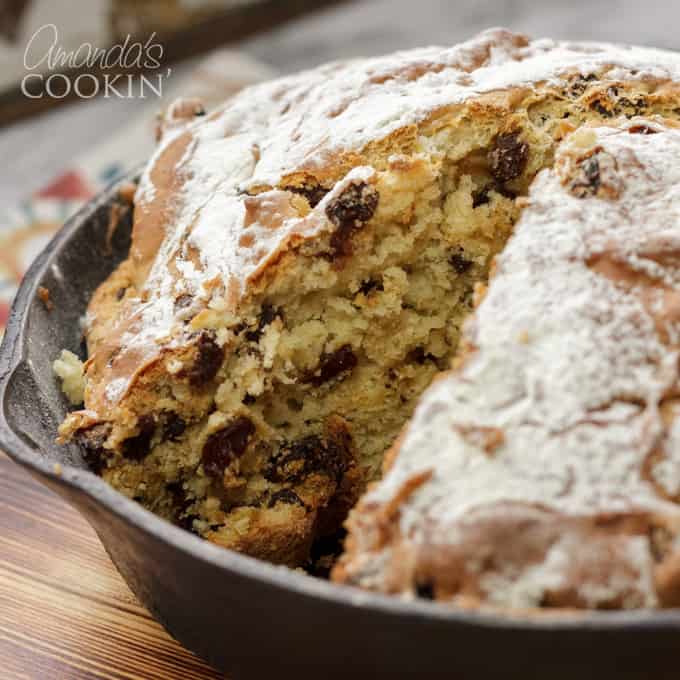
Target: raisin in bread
544, 471
301, 264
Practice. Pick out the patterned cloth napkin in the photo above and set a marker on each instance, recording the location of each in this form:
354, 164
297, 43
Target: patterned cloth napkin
26, 228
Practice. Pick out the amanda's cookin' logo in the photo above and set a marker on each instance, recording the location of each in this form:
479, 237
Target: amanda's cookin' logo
46, 61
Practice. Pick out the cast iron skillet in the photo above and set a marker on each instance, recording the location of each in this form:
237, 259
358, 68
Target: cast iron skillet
245, 617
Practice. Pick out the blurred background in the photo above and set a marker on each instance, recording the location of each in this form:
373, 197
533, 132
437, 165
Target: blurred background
262, 38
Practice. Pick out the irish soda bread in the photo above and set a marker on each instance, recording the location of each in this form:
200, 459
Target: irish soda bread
301, 265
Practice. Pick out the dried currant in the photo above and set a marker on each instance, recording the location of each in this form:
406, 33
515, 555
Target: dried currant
267, 314
138, 447
349, 212
313, 194
580, 84
174, 427
182, 503
459, 263
418, 355
209, 357
294, 461
596, 175
226, 445
509, 157
92, 442
599, 107
369, 285
332, 365
481, 197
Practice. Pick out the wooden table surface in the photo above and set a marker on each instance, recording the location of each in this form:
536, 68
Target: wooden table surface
65, 612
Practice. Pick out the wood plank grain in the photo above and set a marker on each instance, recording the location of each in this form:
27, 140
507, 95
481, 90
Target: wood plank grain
65, 612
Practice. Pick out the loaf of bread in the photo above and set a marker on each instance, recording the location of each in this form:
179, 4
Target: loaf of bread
301, 265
